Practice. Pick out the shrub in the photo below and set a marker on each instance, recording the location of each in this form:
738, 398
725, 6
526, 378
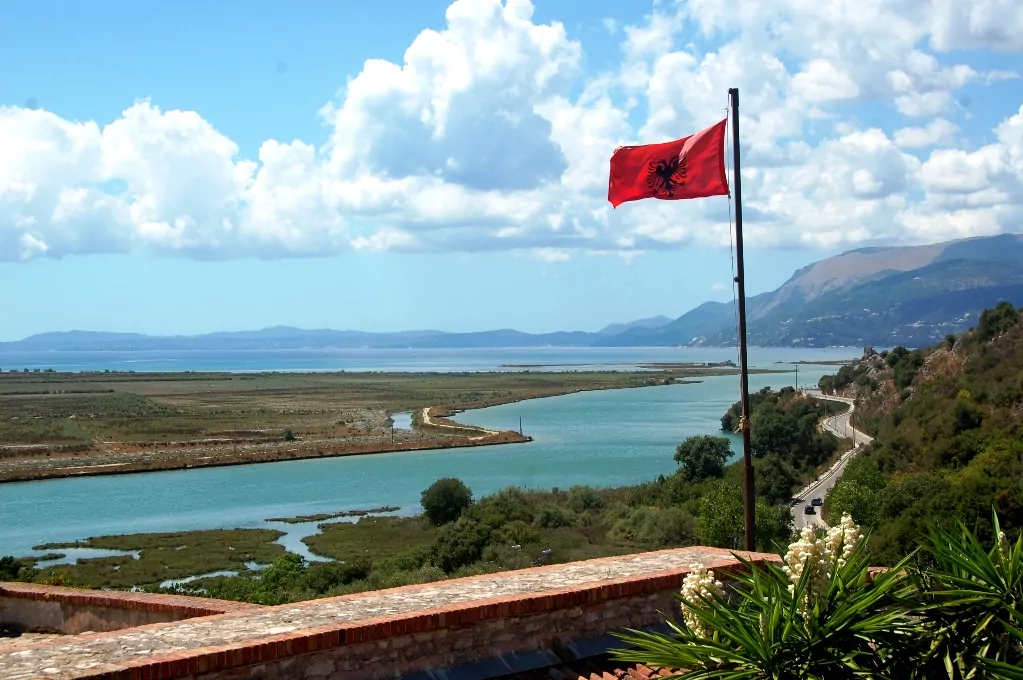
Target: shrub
9, 568
552, 516
284, 573
583, 498
507, 505
324, 576
289, 435
459, 544
518, 532
823, 615
445, 500
819, 616
409, 560
655, 527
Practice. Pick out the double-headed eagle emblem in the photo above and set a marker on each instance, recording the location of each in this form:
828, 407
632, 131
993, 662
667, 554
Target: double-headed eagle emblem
665, 175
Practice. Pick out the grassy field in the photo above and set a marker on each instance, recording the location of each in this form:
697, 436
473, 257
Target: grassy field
578, 531
58, 424
165, 556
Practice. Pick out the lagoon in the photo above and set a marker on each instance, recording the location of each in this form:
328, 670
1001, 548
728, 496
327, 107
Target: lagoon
606, 438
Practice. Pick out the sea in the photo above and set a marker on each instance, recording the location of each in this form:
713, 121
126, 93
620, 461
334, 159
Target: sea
603, 438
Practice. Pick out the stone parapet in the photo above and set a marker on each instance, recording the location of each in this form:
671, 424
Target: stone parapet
476, 623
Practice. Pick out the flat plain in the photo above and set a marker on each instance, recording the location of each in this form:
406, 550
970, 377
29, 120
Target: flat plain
62, 424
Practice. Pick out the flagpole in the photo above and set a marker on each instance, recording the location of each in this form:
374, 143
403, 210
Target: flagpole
749, 490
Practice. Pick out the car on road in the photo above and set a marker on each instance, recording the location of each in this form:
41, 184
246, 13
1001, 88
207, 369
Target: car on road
793, 502
817, 502
809, 510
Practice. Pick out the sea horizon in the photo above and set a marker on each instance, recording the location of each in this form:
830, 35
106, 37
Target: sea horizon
406, 359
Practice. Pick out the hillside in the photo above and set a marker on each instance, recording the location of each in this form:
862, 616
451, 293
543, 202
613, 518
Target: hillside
948, 434
911, 295
652, 322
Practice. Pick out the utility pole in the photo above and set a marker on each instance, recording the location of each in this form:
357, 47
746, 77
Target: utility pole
520, 426
797, 377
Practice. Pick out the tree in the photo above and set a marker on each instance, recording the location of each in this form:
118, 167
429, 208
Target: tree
775, 478
460, 544
289, 436
852, 498
445, 500
9, 568
702, 457
994, 322
721, 522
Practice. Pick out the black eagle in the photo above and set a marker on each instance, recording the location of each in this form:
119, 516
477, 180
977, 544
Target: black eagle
664, 175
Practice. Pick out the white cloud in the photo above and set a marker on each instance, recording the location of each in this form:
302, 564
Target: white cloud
720, 288
551, 254
489, 135
939, 132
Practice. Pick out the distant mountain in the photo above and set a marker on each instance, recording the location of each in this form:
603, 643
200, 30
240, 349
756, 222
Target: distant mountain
285, 337
652, 322
707, 318
910, 295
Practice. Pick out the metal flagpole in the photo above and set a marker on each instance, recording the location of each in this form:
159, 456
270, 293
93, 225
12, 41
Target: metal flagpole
749, 490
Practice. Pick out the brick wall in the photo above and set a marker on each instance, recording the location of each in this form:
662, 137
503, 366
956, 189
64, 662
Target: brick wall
478, 625
461, 642
28, 607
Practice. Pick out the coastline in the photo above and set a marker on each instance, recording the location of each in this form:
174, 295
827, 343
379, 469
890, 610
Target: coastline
268, 457
438, 434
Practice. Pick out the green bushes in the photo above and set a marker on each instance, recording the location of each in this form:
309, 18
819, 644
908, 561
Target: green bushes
583, 498
460, 544
702, 457
445, 500
552, 516
656, 527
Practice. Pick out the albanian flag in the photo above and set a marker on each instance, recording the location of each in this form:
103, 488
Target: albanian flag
691, 167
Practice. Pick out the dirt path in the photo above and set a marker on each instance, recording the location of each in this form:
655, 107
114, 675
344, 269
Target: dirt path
457, 428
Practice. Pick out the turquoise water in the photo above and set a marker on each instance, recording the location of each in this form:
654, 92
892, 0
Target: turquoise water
603, 438
484, 359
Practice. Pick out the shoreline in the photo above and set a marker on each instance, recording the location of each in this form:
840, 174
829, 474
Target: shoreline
458, 435
478, 437
172, 466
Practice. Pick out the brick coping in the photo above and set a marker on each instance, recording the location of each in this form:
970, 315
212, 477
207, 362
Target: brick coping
240, 638
183, 605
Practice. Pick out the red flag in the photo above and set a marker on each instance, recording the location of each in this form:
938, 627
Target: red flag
691, 167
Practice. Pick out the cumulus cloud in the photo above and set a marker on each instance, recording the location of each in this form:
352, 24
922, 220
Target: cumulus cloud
490, 135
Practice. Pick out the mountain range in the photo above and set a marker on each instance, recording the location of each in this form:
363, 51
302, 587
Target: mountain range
908, 295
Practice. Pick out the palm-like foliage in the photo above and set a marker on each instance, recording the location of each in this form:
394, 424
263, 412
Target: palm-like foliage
971, 599
853, 629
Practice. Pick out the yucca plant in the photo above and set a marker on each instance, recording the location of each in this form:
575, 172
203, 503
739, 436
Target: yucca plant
971, 598
818, 616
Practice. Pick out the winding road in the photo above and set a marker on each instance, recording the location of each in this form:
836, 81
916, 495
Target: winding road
839, 426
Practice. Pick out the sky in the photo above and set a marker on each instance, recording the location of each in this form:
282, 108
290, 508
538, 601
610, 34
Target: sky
179, 168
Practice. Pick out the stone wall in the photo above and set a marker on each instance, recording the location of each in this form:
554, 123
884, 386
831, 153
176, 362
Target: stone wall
483, 626
26, 607
499, 640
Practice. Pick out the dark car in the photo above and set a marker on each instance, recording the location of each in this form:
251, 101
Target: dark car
809, 510
816, 502
793, 502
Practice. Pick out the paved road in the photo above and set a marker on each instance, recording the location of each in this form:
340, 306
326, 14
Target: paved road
840, 427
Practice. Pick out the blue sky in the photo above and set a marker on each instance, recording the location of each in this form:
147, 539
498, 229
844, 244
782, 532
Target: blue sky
195, 166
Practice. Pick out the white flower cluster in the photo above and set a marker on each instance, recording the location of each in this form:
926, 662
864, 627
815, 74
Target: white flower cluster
843, 540
1003, 546
821, 558
699, 582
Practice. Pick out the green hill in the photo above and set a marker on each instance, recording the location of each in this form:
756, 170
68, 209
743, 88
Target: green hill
911, 295
947, 422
